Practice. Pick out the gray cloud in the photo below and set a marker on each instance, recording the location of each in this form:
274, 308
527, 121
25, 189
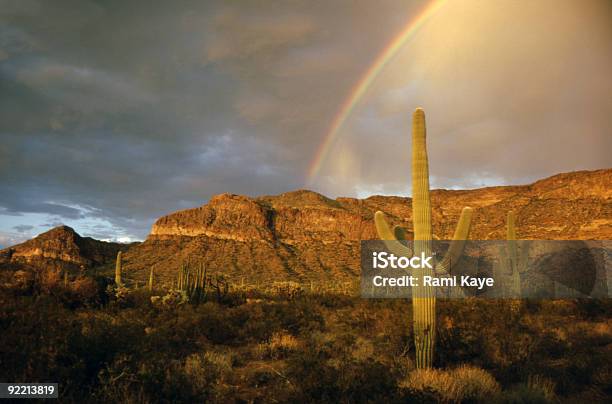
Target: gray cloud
23, 228
113, 113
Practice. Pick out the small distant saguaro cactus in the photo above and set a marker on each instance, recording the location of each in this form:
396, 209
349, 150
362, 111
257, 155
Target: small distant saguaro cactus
514, 258
193, 284
118, 265
151, 280
423, 297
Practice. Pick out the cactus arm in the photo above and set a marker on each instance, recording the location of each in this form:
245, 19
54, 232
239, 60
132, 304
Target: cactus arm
457, 245
385, 233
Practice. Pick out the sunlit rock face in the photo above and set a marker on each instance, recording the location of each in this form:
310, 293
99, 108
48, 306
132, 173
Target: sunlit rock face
304, 235
226, 216
61, 247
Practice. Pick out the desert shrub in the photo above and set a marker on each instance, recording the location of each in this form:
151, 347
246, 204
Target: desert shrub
234, 298
19, 281
436, 383
157, 379
332, 300
299, 316
44, 341
592, 309
172, 299
401, 365
312, 348
602, 381
339, 380
234, 326
119, 295
491, 334
521, 394
474, 383
286, 290
545, 385
362, 349
278, 346
85, 291
203, 370
338, 367
47, 280
462, 384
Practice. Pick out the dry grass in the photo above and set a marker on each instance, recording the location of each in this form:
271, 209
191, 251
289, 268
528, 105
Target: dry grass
279, 345
544, 385
465, 383
202, 369
311, 348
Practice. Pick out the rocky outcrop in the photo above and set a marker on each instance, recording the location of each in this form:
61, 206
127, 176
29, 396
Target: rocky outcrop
304, 235
226, 216
61, 247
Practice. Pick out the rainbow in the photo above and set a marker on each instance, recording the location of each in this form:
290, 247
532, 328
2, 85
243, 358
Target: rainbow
361, 87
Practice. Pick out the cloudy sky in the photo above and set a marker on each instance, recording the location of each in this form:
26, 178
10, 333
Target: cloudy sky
113, 113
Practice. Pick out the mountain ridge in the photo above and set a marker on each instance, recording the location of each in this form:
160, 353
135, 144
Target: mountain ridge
61, 248
303, 235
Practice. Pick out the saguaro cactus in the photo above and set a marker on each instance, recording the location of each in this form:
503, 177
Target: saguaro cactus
423, 297
118, 270
514, 258
151, 275
193, 284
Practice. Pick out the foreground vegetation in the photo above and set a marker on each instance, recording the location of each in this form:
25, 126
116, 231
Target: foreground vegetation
108, 345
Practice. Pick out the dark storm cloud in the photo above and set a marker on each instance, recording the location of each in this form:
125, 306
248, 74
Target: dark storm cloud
113, 113
123, 111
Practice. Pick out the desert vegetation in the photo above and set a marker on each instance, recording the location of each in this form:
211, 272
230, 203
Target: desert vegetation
288, 343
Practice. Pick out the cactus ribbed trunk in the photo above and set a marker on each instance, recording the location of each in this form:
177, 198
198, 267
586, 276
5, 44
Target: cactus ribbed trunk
423, 298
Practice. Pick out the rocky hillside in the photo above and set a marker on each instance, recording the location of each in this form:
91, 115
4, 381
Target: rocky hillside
303, 235
61, 247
